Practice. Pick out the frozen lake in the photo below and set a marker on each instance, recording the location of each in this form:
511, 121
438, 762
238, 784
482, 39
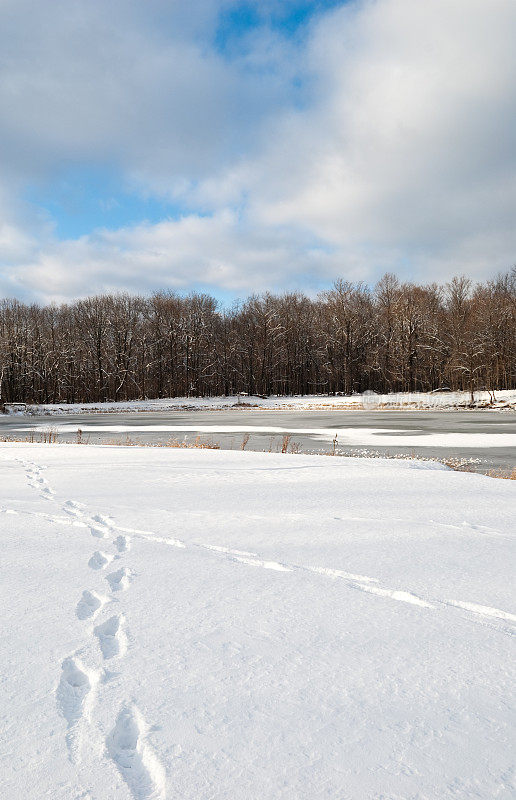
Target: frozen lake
489, 437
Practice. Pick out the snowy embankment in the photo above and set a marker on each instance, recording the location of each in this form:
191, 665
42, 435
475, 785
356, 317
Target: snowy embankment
206, 624
414, 400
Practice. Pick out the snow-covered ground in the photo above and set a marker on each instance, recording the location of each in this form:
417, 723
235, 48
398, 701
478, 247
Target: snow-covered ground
217, 624
418, 400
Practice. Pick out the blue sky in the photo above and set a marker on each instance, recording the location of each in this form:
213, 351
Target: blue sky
289, 18
241, 147
78, 198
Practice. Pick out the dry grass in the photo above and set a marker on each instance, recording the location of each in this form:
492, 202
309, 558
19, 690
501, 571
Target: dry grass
457, 464
503, 474
184, 444
50, 436
197, 444
285, 443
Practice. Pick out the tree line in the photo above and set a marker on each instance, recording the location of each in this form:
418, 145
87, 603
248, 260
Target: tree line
395, 337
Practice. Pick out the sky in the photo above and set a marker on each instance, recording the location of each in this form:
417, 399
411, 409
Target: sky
240, 147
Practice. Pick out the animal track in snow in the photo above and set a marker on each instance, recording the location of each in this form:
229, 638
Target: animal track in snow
90, 604
264, 564
394, 594
149, 535
339, 573
50, 517
99, 560
485, 611
75, 695
120, 580
134, 758
152, 538
111, 636
363, 583
164, 540
219, 549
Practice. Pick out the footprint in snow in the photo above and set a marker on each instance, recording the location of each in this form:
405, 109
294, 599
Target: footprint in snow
134, 758
122, 544
111, 636
120, 580
99, 560
99, 532
90, 604
75, 695
73, 509
102, 519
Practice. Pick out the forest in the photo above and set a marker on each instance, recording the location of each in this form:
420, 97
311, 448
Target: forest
393, 337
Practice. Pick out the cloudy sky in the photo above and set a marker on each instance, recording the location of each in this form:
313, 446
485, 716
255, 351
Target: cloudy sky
239, 146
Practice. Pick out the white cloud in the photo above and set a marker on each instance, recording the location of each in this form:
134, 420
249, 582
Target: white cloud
217, 251
400, 156
409, 144
125, 82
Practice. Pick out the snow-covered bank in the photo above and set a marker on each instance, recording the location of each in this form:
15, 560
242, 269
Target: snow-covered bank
415, 400
201, 624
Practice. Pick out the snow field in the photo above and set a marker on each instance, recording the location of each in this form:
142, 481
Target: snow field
200, 624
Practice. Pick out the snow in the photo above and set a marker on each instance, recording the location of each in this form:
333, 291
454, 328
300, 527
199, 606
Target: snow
419, 400
219, 624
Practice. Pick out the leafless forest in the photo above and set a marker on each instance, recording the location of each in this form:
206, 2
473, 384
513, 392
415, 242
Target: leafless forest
396, 337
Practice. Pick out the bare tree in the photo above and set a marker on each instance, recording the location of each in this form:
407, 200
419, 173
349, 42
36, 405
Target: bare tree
396, 337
